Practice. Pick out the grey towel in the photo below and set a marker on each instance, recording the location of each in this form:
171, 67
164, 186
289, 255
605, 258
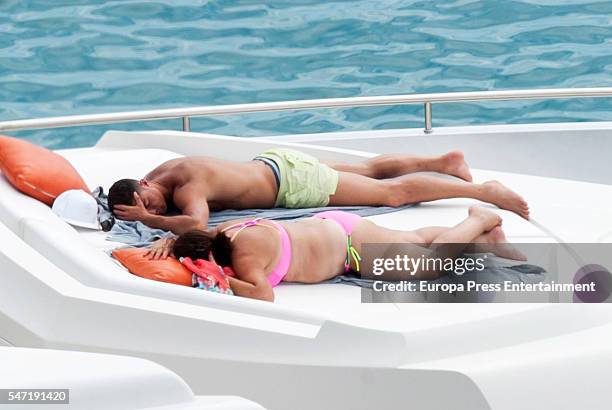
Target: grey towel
283, 214
138, 234
133, 233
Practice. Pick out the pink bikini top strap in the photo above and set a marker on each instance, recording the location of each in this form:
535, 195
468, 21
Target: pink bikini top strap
242, 226
281, 269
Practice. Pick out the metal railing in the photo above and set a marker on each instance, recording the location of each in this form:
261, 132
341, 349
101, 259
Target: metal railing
186, 113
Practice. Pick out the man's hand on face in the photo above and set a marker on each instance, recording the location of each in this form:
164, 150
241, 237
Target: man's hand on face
136, 212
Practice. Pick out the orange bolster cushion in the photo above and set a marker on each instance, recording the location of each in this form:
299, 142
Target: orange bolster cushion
164, 270
36, 171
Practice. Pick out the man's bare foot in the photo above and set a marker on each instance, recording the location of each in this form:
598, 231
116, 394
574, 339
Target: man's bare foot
454, 164
488, 218
495, 242
505, 198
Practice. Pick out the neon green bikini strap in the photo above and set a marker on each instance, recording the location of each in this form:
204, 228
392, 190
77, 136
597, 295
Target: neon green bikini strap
351, 252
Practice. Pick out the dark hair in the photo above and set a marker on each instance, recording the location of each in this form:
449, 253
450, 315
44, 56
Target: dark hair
197, 244
122, 193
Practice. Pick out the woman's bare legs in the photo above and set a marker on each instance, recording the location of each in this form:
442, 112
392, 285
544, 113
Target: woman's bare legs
492, 241
481, 227
479, 221
394, 165
355, 189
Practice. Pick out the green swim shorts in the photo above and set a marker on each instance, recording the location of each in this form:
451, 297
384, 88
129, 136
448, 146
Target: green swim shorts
304, 181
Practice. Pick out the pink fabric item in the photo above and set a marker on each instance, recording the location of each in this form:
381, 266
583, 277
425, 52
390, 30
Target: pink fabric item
282, 267
346, 219
207, 270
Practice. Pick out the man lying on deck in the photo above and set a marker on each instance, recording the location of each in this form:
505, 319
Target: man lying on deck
287, 178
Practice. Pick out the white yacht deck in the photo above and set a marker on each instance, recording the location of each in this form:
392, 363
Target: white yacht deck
556, 216
78, 298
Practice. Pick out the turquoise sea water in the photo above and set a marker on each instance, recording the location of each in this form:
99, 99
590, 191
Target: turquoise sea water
65, 57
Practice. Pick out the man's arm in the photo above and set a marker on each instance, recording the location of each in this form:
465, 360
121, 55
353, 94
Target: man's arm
195, 215
177, 224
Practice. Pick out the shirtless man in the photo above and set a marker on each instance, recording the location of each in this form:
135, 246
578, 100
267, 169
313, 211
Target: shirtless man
286, 178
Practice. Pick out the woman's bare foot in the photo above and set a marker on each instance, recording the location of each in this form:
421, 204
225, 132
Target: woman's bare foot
454, 164
488, 218
495, 242
505, 198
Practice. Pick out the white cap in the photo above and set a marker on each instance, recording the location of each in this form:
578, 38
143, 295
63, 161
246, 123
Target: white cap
78, 208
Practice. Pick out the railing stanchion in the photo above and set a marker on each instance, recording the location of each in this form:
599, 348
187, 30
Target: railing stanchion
344, 102
428, 121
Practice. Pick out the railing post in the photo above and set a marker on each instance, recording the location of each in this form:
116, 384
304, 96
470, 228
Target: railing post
428, 121
187, 112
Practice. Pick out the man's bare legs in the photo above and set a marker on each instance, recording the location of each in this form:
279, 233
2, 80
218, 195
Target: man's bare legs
355, 189
394, 165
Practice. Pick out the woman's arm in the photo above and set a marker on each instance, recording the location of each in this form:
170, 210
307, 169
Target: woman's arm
257, 288
161, 248
250, 281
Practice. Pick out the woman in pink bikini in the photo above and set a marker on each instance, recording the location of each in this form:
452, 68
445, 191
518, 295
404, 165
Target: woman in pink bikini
263, 253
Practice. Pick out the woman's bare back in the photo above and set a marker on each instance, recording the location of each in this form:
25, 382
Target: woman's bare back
317, 248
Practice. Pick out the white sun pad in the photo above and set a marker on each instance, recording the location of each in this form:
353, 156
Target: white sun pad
104, 166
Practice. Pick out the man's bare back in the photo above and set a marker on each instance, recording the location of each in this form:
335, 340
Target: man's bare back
195, 185
223, 184
287, 178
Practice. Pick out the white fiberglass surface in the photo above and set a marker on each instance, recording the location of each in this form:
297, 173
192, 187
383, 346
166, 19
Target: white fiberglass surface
565, 211
570, 150
98, 239
114, 381
557, 207
102, 167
